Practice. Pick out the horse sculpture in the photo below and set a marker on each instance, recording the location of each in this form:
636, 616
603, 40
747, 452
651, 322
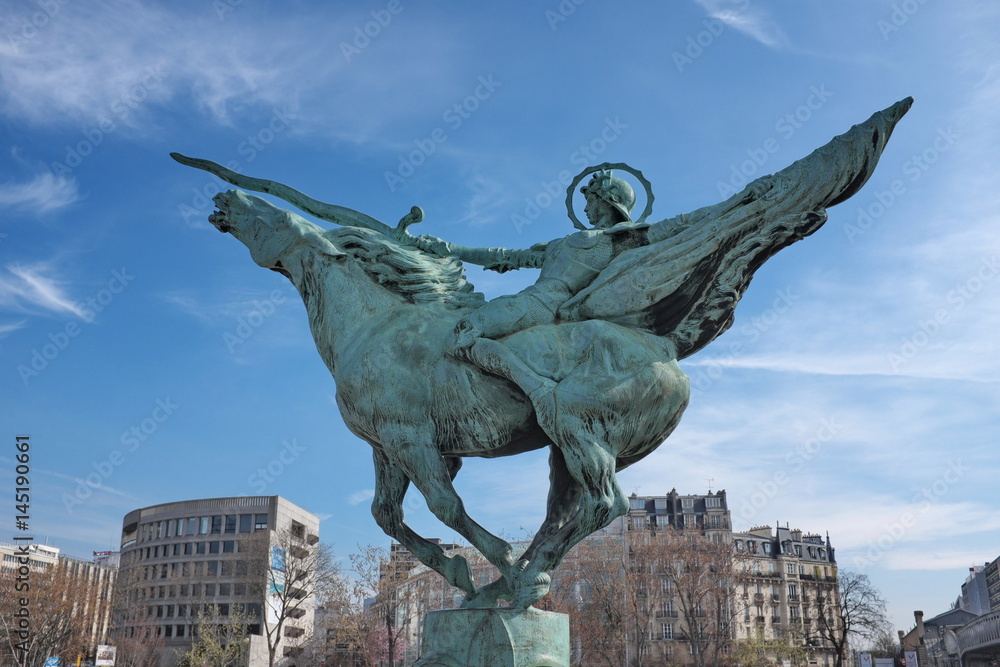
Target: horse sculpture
383, 309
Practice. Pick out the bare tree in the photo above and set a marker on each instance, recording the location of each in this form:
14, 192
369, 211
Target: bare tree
759, 651
290, 575
630, 596
371, 609
857, 615
222, 639
134, 631
62, 619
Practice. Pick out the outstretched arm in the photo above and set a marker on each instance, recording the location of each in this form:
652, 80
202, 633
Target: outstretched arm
500, 260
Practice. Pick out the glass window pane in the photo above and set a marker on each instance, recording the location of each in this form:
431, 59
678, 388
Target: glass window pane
213, 547
231, 523
227, 547
246, 523
260, 522
216, 524
204, 525
192, 526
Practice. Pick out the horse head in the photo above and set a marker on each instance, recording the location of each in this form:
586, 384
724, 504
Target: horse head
272, 234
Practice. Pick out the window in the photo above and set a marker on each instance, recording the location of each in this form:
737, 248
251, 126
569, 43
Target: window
180, 631
188, 548
159, 530
170, 528
177, 549
766, 546
298, 530
798, 550
201, 547
228, 547
246, 523
213, 568
213, 547
210, 590
192, 526
216, 524
239, 589
802, 569
793, 592
168, 631
667, 630
690, 520
225, 589
687, 503
163, 571
260, 522
227, 568
715, 521
752, 546
713, 502
204, 526
793, 613
660, 503
180, 527
231, 523
170, 611
790, 568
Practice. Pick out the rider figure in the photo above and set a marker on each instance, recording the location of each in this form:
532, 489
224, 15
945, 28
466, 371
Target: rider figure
568, 265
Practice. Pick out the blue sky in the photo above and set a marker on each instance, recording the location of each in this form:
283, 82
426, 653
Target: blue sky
150, 360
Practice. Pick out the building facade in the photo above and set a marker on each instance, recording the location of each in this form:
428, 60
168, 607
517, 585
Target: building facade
685, 583
792, 592
183, 559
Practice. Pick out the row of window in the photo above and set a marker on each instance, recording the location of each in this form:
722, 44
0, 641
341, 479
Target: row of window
177, 631
189, 549
203, 525
201, 568
787, 547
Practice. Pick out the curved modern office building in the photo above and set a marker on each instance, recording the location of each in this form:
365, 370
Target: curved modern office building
184, 557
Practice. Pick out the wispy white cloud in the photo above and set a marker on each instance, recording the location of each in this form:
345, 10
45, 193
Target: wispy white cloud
750, 20
45, 192
35, 286
361, 496
123, 60
6, 329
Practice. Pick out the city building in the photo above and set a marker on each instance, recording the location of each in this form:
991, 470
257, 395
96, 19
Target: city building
787, 584
992, 572
792, 591
975, 596
182, 559
933, 640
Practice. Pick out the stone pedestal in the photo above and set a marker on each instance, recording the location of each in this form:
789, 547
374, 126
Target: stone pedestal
494, 638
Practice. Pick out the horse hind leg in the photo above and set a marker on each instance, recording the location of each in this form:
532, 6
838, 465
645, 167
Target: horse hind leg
591, 466
387, 508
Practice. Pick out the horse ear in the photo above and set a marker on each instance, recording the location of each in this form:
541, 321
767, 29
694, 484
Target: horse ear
324, 245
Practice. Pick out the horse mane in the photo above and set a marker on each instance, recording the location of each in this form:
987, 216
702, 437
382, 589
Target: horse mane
411, 273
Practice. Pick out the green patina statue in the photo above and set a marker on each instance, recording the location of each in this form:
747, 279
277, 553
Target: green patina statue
583, 362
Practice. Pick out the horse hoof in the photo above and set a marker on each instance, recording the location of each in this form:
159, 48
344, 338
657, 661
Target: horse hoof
531, 591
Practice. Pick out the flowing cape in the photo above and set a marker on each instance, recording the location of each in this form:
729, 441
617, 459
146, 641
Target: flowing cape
685, 286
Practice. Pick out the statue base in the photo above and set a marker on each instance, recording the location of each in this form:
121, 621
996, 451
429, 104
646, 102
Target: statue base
499, 637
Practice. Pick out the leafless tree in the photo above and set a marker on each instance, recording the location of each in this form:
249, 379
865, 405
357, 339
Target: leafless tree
290, 575
61, 616
858, 615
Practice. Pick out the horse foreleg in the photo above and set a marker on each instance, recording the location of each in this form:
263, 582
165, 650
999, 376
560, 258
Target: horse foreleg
429, 472
387, 508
